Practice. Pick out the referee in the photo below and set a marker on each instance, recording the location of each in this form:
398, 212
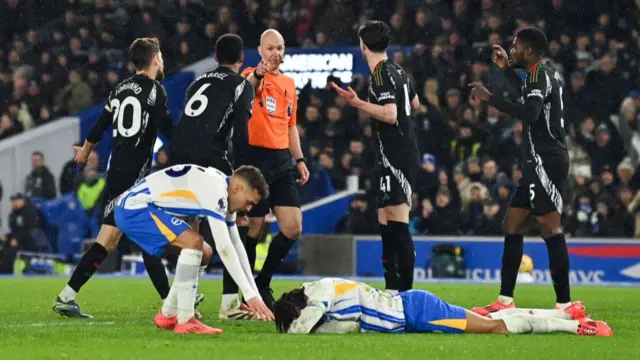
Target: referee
273, 140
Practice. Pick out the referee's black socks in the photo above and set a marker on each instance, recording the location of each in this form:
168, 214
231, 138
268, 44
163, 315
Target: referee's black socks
559, 266
278, 250
511, 259
405, 251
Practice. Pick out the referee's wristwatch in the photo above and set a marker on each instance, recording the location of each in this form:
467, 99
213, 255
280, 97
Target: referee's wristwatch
301, 160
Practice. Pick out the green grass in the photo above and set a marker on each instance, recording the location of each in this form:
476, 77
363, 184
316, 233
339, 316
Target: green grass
122, 328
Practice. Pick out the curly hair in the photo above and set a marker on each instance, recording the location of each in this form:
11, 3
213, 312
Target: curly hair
288, 308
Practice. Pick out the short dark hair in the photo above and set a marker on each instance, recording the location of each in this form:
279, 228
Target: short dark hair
254, 178
37, 153
375, 35
229, 49
142, 50
535, 39
288, 308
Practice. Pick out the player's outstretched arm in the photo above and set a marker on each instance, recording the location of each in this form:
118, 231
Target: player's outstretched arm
230, 259
387, 113
255, 75
527, 112
236, 240
309, 317
320, 297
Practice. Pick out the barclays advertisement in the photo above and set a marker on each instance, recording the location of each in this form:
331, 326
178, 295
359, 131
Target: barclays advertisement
592, 261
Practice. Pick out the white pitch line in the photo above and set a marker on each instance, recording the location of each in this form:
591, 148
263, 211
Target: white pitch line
58, 323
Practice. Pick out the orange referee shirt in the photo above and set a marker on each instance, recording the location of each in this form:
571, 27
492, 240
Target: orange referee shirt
274, 111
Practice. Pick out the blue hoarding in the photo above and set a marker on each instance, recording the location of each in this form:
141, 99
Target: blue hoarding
592, 261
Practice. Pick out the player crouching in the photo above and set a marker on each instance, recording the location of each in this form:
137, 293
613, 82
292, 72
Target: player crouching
148, 214
333, 305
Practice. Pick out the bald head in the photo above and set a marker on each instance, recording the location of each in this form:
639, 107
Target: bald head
271, 49
271, 36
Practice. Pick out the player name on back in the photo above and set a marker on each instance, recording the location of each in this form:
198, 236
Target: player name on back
216, 75
135, 87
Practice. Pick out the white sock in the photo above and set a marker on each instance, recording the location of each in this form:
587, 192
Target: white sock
186, 283
68, 294
505, 300
529, 324
392, 292
563, 306
545, 313
203, 270
230, 302
170, 304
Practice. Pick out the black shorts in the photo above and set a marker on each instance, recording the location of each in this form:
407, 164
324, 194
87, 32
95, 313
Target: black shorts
118, 181
540, 187
395, 184
217, 162
281, 175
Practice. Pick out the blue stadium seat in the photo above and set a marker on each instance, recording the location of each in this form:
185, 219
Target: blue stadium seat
64, 219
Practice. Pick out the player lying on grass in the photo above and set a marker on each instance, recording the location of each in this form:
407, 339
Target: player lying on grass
148, 214
334, 305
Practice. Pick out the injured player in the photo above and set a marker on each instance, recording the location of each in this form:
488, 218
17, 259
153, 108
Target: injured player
334, 305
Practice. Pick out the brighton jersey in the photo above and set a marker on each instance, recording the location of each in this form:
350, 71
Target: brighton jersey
347, 302
182, 190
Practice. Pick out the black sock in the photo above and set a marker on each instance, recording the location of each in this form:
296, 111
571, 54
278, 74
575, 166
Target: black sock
157, 274
250, 244
89, 264
278, 250
405, 252
388, 259
511, 259
559, 266
228, 285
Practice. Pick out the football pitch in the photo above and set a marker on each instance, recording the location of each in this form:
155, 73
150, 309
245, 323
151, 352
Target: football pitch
122, 327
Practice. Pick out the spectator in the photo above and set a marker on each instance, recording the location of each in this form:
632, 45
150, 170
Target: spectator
489, 173
9, 127
161, 160
8, 253
24, 225
625, 173
604, 221
359, 220
445, 218
604, 148
19, 112
466, 144
579, 223
490, 222
90, 189
75, 96
40, 182
473, 206
427, 183
328, 164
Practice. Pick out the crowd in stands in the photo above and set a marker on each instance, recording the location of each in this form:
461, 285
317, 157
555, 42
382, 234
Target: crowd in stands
58, 57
